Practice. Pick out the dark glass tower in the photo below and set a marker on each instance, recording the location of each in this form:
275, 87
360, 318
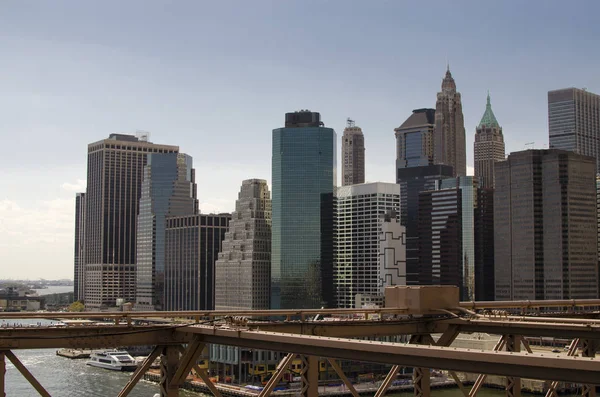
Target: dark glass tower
304, 175
78, 279
168, 189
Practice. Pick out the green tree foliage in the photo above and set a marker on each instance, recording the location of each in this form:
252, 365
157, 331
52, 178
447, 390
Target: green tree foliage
76, 307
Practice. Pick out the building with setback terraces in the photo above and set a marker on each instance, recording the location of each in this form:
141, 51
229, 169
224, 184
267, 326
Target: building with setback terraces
489, 147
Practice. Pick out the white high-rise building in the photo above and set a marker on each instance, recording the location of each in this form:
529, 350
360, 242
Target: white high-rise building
243, 270
370, 243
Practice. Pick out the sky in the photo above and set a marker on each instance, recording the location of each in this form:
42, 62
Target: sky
216, 77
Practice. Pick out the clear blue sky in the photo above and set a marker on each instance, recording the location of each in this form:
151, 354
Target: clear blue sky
215, 77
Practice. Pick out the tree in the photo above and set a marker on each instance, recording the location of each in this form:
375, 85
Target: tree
76, 307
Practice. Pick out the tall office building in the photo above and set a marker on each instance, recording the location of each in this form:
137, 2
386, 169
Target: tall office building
353, 155
114, 185
449, 137
168, 189
365, 259
414, 139
243, 270
304, 176
78, 279
192, 246
545, 226
489, 146
574, 122
455, 243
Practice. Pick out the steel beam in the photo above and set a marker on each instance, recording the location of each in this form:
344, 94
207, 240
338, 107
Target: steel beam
310, 376
140, 371
187, 361
342, 375
387, 382
281, 368
481, 378
571, 352
26, 374
513, 383
206, 379
589, 350
169, 360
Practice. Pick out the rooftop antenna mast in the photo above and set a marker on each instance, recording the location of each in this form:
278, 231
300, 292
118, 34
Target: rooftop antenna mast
349, 123
529, 145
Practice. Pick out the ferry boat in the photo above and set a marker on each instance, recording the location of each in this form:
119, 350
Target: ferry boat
112, 359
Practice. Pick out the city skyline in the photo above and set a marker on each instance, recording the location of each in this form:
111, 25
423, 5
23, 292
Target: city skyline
80, 72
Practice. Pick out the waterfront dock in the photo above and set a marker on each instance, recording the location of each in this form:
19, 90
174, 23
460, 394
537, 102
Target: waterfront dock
73, 353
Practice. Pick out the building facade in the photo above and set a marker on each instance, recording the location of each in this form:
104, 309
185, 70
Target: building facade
78, 278
304, 176
455, 243
414, 139
353, 155
168, 189
114, 185
366, 259
574, 122
449, 137
545, 226
243, 270
489, 147
192, 247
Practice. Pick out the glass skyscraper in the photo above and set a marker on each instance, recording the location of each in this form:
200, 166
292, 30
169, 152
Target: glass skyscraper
304, 176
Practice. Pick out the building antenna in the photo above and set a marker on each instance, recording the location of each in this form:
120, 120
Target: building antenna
349, 123
529, 145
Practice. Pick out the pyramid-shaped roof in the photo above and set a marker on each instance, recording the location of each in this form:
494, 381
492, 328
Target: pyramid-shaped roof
488, 119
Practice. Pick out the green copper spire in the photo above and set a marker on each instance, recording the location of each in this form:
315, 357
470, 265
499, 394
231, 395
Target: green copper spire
488, 118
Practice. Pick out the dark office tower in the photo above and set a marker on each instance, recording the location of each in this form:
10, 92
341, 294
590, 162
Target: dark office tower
414, 139
78, 279
243, 270
454, 236
574, 122
168, 189
114, 185
191, 250
545, 226
353, 155
484, 245
449, 137
489, 147
304, 176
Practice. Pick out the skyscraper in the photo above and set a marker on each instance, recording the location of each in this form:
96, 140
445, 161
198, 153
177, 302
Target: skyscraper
455, 243
78, 279
574, 122
114, 182
449, 137
545, 226
192, 246
365, 261
243, 270
414, 139
304, 176
168, 189
489, 146
353, 155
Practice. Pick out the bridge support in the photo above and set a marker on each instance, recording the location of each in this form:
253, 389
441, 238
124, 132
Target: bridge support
310, 376
2, 373
343, 377
421, 376
513, 384
169, 361
589, 350
140, 371
26, 374
387, 382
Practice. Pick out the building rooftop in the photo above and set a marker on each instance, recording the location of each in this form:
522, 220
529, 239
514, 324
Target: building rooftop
488, 119
419, 118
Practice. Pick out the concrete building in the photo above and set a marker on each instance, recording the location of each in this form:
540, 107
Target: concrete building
414, 139
191, 250
489, 147
455, 243
114, 185
370, 246
243, 270
168, 189
545, 222
353, 155
449, 137
78, 277
574, 122
304, 176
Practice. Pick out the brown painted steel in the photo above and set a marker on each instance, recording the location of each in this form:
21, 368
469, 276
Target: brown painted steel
387, 382
25, 372
140, 371
342, 375
204, 376
281, 368
2, 374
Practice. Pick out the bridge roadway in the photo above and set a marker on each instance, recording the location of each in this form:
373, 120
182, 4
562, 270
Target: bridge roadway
302, 335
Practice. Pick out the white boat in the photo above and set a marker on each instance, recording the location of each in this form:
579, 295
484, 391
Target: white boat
112, 359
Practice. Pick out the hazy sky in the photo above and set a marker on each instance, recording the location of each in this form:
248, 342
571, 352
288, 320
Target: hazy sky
215, 77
